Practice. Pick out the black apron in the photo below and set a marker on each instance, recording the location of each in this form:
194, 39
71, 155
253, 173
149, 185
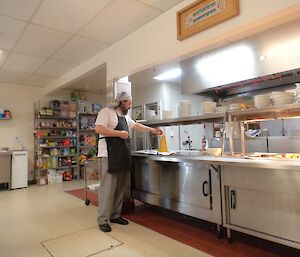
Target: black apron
118, 149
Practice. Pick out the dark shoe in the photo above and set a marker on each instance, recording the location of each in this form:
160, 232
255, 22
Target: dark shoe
120, 221
105, 227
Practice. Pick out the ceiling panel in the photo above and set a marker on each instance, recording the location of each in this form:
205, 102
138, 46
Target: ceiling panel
12, 77
55, 68
10, 31
114, 23
78, 50
22, 62
3, 56
21, 9
41, 41
38, 80
67, 15
162, 5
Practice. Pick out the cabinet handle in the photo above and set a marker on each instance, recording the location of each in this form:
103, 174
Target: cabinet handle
232, 199
203, 188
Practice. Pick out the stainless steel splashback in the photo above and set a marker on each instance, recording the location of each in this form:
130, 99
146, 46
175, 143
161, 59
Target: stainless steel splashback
267, 59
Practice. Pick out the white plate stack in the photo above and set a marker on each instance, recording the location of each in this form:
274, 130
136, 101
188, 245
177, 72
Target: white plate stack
261, 101
185, 108
282, 98
234, 107
221, 109
167, 115
208, 107
297, 94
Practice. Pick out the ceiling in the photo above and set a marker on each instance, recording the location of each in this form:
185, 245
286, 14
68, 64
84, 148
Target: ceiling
40, 40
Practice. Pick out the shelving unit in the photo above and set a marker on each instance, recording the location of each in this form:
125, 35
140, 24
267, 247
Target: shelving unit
87, 138
55, 147
62, 136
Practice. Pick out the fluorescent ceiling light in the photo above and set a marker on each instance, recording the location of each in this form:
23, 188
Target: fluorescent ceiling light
174, 73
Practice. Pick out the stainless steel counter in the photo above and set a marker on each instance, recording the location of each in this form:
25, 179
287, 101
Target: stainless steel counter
285, 164
248, 195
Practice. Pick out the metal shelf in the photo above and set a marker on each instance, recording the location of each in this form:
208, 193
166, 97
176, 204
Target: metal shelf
58, 146
60, 156
61, 168
85, 146
57, 128
53, 137
87, 114
267, 113
213, 117
86, 130
54, 117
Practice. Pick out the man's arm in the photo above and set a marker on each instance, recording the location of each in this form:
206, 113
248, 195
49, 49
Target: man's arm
142, 128
107, 132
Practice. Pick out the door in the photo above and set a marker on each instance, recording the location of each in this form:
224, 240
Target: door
272, 213
186, 183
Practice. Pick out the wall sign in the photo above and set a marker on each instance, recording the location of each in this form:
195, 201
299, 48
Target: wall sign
203, 14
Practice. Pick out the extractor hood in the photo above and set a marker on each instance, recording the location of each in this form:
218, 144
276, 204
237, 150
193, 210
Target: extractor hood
268, 59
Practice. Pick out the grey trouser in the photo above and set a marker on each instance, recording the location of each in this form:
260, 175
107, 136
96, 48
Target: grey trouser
111, 193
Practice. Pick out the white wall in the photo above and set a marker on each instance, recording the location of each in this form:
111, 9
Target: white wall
169, 95
156, 42
20, 101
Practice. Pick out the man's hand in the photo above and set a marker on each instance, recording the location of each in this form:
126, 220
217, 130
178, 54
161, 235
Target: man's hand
123, 134
157, 131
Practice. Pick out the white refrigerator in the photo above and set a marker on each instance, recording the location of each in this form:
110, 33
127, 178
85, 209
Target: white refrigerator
19, 169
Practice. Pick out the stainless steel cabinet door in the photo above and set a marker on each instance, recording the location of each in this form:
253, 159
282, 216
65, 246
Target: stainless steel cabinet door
146, 175
271, 213
186, 183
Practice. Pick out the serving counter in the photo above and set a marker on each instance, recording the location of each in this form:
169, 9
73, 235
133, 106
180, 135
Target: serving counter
257, 196
244, 192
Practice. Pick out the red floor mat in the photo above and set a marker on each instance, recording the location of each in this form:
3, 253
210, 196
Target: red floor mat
196, 233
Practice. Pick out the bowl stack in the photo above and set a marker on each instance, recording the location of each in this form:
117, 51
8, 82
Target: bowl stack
185, 108
208, 107
221, 109
297, 95
282, 98
261, 101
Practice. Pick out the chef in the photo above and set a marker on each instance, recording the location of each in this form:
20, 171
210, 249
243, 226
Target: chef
113, 126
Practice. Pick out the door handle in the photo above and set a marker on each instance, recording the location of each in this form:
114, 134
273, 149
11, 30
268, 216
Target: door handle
203, 188
232, 199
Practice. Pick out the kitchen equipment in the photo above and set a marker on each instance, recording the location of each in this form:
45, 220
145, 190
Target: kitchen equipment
150, 114
19, 171
208, 107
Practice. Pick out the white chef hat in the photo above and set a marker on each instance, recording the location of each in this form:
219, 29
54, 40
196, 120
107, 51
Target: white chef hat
123, 96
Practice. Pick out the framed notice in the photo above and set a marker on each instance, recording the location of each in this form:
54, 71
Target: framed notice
203, 14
